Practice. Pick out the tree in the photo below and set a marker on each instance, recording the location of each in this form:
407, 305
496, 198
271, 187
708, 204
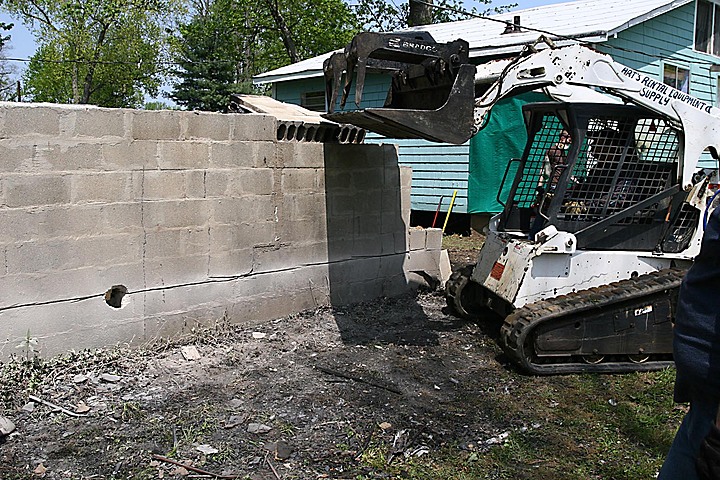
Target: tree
7, 89
381, 16
226, 42
104, 52
211, 54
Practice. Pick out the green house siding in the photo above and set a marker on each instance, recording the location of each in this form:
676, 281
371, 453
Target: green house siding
438, 169
668, 39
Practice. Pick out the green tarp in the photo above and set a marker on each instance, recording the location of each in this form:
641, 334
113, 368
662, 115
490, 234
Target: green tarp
493, 147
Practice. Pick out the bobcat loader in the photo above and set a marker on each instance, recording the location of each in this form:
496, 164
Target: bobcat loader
585, 261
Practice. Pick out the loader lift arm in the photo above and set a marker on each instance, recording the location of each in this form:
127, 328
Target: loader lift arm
565, 73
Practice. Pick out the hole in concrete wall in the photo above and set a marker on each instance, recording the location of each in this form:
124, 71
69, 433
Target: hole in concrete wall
114, 295
300, 136
291, 132
310, 134
281, 132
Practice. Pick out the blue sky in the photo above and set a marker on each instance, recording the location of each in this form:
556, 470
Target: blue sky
22, 43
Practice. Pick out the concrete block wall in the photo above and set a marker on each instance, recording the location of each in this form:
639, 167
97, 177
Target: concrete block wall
202, 217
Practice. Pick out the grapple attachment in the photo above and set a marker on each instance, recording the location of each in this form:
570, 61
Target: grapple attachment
432, 86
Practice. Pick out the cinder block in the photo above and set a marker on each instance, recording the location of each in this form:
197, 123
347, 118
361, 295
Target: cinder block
165, 185
97, 122
369, 202
434, 238
358, 156
392, 223
311, 253
172, 271
340, 248
174, 243
131, 155
307, 230
232, 211
341, 204
240, 235
16, 156
391, 178
392, 266
405, 176
184, 155
297, 207
303, 181
368, 180
301, 155
424, 261
253, 127
72, 326
205, 125
236, 154
368, 225
172, 214
254, 181
176, 324
121, 217
29, 120
416, 238
103, 187
217, 182
55, 255
35, 190
156, 125
230, 263
338, 181
73, 156
391, 202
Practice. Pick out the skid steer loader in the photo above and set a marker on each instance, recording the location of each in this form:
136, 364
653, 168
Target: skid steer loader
585, 260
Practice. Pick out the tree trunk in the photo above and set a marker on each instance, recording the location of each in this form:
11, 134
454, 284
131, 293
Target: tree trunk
284, 31
87, 85
420, 13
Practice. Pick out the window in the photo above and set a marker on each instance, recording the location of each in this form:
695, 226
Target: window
677, 77
313, 101
707, 27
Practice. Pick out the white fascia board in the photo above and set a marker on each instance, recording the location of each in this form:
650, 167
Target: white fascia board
260, 80
516, 47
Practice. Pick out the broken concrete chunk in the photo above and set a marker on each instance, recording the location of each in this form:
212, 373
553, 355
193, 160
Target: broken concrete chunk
81, 407
258, 428
234, 421
110, 378
190, 352
206, 449
6, 426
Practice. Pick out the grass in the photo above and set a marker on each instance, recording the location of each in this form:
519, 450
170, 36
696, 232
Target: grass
459, 242
587, 427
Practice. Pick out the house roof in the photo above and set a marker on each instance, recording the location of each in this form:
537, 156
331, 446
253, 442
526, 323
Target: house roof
589, 20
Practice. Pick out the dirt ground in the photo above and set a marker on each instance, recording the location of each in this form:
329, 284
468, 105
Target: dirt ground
315, 395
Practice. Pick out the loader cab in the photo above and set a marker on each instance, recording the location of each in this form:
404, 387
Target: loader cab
606, 173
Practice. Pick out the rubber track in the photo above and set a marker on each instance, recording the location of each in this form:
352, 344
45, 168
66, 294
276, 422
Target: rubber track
518, 326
